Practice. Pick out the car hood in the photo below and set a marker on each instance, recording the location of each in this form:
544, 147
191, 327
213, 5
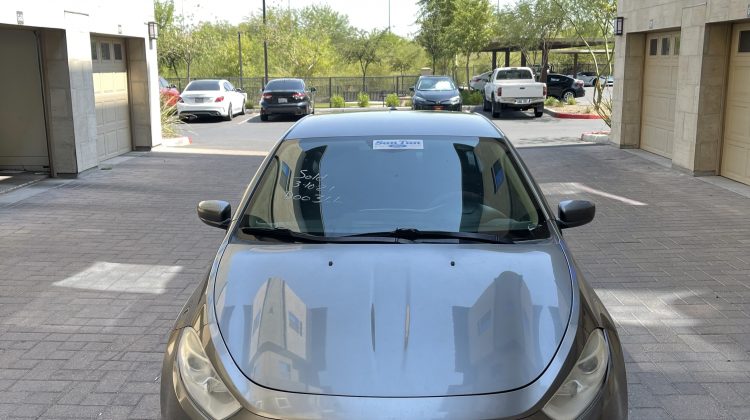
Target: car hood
436, 95
402, 320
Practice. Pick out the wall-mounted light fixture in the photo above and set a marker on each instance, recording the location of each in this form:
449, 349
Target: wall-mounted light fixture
619, 24
152, 31
119, 29
19, 17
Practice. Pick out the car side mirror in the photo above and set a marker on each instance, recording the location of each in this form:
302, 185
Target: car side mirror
411, 89
313, 90
239, 90
172, 86
215, 213
573, 213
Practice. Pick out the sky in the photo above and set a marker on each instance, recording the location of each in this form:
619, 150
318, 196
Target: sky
367, 14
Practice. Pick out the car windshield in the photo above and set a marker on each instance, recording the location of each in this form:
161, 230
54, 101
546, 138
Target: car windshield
345, 186
203, 85
284, 85
513, 74
435, 84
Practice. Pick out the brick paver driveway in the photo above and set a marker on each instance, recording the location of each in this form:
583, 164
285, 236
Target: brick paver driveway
93, 273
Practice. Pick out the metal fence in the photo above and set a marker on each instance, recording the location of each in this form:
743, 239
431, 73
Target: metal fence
377, 87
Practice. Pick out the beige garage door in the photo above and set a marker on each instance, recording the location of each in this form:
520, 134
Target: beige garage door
660, 92
735, 161
111, 94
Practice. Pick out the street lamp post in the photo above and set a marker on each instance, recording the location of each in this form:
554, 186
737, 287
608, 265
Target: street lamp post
265, 47
239, 50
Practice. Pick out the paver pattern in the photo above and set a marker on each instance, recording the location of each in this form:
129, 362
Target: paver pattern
93, 273
669, 255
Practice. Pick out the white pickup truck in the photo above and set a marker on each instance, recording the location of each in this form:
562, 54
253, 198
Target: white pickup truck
514, 88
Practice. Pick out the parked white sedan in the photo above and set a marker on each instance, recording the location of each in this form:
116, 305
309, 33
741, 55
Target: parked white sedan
216, 98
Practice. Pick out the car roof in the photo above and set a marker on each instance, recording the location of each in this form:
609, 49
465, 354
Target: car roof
394, 123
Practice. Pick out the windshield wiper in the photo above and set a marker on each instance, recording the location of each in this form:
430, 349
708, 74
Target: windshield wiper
416, 234
294, 236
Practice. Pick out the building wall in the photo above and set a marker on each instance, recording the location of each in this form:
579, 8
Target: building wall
705, 28
66, 27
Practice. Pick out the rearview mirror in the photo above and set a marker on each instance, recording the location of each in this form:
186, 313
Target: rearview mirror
573, 213
215, 213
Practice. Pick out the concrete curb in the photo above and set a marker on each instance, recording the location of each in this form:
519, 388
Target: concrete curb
599, 137
176, 141
563, 115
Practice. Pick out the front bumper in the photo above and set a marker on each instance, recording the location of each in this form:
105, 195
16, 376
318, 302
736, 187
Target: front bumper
211, 109
177, 404
437, 107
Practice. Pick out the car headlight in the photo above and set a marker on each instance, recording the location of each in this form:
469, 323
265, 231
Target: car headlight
418, 99
456, 99
201, 380
583, 383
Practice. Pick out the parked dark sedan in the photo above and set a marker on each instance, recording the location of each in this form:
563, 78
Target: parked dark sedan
394, 265
564, 87
436, 93
286, 97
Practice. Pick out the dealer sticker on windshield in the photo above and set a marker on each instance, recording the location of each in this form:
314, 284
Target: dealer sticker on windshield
397, 144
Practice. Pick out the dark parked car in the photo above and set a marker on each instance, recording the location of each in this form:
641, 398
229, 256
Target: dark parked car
394, 265
436, 93
564, 87
286, 97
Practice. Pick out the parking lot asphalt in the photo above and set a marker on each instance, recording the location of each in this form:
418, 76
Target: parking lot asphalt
94, 270
251, 135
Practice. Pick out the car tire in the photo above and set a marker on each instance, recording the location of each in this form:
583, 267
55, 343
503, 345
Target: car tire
485, 104
495, 111
567, 95
538, 112
264, 117
229, 113
244, 111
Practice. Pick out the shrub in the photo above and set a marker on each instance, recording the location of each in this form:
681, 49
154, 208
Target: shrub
170, 121
550, 101
472, 97
363, 100
392, 100
337, 101
249, 104
571, 101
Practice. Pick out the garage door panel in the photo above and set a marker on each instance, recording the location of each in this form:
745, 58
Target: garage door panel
112, 102
661, 73
735, 161
741, 73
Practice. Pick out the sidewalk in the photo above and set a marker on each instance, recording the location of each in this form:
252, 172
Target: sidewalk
94, 272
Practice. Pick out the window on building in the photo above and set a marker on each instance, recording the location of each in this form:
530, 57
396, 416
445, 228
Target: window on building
94, 51
105, 51
744, 42
653, 47
665, 46
118, 51
677, 45
294, 323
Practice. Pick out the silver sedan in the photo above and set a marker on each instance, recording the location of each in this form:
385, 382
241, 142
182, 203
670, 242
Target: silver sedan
394, 265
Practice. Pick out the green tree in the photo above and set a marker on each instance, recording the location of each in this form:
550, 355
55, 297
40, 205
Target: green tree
471, 28
364, 48
434, 19
595, 22
532, 25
